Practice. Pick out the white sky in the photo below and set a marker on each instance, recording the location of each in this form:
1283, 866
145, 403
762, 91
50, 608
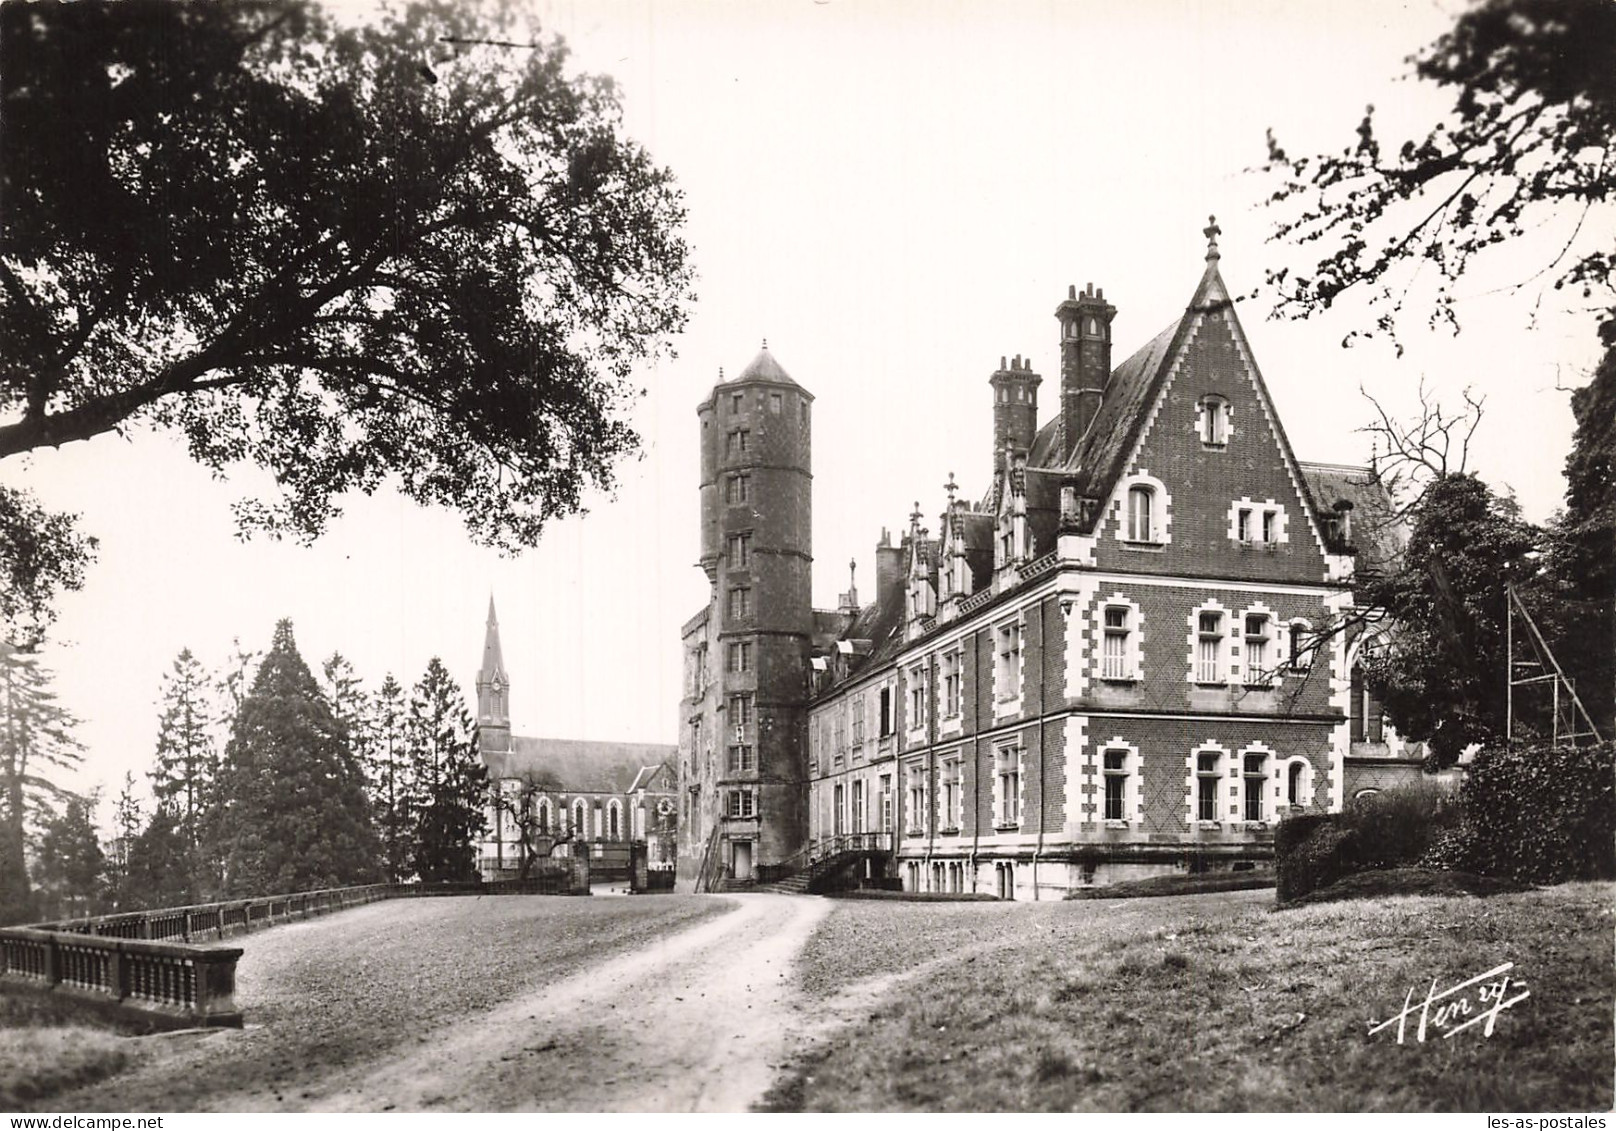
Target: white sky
895, 195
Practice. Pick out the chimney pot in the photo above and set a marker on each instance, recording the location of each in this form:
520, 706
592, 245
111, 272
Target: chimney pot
1071, 291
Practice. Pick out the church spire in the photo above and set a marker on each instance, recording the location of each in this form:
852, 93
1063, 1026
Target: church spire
493, 658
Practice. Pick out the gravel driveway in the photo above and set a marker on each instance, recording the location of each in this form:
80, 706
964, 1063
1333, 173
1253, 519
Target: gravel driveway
667, 1003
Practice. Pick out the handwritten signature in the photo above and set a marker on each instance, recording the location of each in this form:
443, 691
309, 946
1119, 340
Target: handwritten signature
1455, 1012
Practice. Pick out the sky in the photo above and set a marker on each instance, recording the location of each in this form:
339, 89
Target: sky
895, 195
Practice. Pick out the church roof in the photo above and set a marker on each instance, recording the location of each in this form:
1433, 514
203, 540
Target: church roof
568, 765
763, 367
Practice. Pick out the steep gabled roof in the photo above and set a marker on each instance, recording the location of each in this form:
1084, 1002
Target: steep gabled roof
574, 766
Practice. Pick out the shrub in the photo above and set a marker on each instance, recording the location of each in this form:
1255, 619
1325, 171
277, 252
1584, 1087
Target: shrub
1397, 826
1322, 857
1542, 814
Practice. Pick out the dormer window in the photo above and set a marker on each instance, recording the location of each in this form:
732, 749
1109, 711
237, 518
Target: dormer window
1141, 514
1214, 421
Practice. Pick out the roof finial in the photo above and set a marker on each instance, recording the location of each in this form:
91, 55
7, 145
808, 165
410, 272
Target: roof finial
1211, 232
720, 374
914, 517
950, 487
765, 343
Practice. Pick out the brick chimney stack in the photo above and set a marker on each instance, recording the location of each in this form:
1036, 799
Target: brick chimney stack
1085, 321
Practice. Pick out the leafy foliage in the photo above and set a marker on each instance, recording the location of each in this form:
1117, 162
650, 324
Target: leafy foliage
1542, 814
350, 255
292, 805
1393, 829
159, 867
1441, 678
40, 554
451, 782
1526, 143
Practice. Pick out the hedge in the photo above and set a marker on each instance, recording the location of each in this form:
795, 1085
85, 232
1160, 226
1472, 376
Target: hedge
1542, 814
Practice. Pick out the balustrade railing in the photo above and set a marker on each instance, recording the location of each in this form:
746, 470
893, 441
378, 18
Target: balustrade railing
151, 961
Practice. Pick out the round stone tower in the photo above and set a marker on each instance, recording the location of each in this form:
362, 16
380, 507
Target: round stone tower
757, 552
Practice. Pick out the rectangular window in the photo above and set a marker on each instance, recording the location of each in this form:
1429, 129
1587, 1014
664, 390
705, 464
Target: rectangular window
951, 684
741, 803
742, 758
740, 550
1116, 784
1270, 526
739, 442
1297, 636
1257, 650
1209, 649
737, 489
1255, 778
1207, 787
775, 403
734, 403
886, 711
1007, 679
1242, 526
950, 812
740, 602
740, 711
915, 819
857, 813
856, 705
1114, 661
886, 803
1007, 766
917, 697
837, 810
740, 656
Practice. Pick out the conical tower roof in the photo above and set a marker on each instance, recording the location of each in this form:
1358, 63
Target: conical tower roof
764, 367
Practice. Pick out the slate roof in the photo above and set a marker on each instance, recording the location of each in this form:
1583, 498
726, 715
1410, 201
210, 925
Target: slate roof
1378, 534
575, 766
763, 367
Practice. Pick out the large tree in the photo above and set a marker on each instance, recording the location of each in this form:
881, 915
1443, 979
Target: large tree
36, 744
73, 870
392, 781
451, 782
1525, 149
292, 811
417, 250
1441, 673
186, 762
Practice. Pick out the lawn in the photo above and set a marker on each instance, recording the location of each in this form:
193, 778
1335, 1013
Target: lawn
340, 989
1210, 1002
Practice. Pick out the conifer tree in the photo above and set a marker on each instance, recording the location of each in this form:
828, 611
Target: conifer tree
392, 784
127, 822
159, 862
72, 867
186, 759
452, 783
292, 812
36, 740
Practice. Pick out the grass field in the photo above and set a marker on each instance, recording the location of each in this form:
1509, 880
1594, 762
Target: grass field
1215, 1002
341, 988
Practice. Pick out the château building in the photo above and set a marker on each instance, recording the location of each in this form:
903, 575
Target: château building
567, 795
1113, 664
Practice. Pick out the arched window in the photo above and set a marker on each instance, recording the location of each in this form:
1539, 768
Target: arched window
1141, 514
1296, 786
580, 818
614, 822
544, 814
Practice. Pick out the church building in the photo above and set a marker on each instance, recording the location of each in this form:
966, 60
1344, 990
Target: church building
565, 795
1110, 666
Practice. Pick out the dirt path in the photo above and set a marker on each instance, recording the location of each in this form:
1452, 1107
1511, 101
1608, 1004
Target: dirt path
696, 1021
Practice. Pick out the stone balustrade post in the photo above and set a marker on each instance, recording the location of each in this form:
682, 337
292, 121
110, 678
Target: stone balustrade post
215, 968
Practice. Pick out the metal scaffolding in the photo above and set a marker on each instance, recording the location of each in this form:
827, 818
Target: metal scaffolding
1569, 719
